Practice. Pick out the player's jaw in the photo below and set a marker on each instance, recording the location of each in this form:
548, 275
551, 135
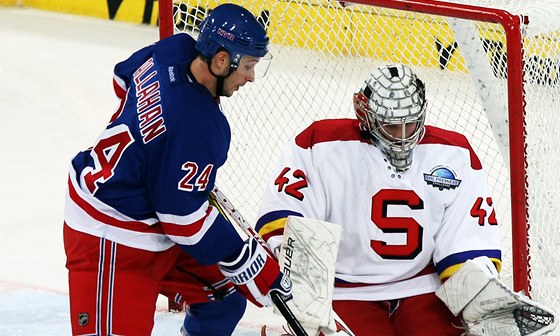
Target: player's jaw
244, 73
235, 81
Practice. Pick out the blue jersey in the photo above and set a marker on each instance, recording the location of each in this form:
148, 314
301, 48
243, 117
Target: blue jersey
146, 181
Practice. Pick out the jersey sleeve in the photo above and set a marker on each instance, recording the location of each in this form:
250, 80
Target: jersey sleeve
469, 228
294, 189
123, 71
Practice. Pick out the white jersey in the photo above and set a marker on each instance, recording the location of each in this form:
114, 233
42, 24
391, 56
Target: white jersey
402, 231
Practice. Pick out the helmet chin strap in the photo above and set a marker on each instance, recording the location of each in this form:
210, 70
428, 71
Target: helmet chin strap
220, 79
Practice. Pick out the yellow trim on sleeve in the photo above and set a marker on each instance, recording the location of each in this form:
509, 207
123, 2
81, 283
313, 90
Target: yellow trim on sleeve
273, 226
497, 263
449, 271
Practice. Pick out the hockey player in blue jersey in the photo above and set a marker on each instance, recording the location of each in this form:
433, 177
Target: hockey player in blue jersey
137, 217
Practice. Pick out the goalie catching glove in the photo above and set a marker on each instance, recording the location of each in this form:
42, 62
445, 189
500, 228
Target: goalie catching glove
256, 274
489, 308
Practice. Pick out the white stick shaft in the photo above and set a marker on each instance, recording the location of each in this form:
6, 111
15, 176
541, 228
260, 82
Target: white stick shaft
237, 218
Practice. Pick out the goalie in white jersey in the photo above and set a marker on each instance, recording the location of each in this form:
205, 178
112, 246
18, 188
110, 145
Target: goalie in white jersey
415, 207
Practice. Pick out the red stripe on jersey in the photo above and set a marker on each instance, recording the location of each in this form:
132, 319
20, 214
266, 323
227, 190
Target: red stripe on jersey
435, 135
100, 216
430, 269
119, 90
118, 111
183, 230
330, 130
277, 232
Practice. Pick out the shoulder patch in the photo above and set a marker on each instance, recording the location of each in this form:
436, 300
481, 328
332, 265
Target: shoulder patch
442, 177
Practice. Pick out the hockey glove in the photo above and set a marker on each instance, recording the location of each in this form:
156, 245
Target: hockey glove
256, 274
488, 307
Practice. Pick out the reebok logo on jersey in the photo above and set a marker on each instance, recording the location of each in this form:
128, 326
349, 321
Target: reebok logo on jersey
442, 178
171, 72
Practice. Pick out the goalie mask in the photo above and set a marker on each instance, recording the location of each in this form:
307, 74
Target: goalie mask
391, 108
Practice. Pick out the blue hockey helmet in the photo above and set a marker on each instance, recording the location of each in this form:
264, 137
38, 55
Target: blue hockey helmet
234, 29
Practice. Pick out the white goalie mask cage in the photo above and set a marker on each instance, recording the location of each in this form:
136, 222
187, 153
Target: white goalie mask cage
392, 95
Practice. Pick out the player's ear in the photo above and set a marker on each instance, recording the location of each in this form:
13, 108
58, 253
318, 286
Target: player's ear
221, 62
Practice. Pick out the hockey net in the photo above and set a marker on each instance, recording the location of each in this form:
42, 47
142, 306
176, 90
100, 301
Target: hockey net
491, 69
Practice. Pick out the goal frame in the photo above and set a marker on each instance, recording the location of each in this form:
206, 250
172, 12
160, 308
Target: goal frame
516, 102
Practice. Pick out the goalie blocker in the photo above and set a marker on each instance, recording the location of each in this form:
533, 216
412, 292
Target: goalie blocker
488, 307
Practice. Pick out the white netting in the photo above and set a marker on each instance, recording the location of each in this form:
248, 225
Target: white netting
323, 52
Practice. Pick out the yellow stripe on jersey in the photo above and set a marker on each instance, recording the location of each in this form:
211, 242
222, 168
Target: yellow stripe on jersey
449, 271
273, 226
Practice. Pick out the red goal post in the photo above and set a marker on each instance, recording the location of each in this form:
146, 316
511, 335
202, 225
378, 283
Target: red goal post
492, 70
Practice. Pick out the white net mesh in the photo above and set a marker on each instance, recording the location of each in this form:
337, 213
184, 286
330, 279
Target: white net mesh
323, 52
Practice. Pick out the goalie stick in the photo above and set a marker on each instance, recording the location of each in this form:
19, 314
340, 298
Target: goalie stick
229, 211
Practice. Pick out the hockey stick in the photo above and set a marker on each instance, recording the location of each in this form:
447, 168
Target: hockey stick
227, 208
